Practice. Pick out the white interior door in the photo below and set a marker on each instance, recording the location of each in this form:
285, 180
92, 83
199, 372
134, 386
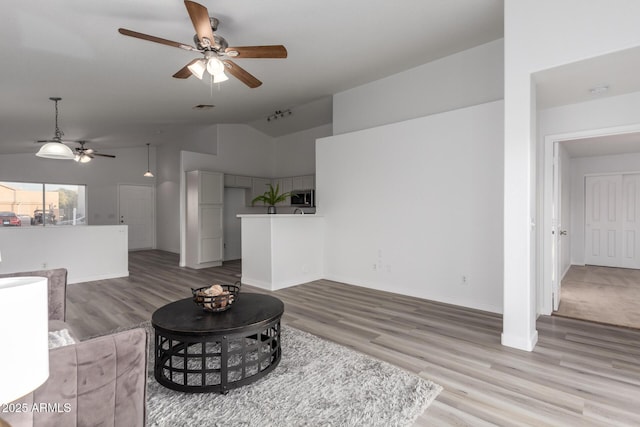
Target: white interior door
630, 221
137, 211
556, 227
603, 220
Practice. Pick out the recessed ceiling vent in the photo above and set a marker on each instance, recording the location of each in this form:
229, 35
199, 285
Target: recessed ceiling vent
203, 107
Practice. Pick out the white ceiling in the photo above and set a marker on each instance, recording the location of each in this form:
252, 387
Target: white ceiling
625, 143
616, 73
118, 91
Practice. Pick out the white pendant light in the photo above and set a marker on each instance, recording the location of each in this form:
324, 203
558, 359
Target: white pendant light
148, 173
55, 148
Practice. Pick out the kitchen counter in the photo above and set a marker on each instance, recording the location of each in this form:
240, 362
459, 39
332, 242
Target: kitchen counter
281, 250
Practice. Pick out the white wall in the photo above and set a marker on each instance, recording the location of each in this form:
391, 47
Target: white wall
542, 34
295, 154
593, 115
87, 252
101, 176
471, 77
421, 200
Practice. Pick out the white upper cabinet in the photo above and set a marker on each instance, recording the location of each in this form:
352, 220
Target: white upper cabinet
237, 181
305, 182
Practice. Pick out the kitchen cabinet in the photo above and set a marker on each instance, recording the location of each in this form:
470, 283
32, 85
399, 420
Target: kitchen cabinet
305, 182
258, 188
204, 234
237, 181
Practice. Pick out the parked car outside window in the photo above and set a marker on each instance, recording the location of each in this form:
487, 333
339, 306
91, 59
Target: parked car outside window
9, 219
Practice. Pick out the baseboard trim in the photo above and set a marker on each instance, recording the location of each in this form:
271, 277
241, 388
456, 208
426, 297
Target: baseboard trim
520, 343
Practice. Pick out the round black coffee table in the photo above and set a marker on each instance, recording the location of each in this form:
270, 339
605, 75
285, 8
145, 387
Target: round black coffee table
199, 351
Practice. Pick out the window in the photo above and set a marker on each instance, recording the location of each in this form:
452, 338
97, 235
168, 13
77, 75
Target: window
43, 204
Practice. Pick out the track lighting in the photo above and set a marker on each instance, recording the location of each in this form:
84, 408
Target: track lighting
279, 113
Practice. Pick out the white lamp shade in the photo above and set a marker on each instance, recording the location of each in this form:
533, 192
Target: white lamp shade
24, 326
55, 150
215, 66
197, 68
219, 78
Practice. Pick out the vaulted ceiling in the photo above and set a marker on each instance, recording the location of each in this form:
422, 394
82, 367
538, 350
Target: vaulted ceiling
118, 91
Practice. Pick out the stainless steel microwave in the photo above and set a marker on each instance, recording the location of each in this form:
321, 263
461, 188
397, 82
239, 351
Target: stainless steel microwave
304, 198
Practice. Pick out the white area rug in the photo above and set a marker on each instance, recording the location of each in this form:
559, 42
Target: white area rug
317, 383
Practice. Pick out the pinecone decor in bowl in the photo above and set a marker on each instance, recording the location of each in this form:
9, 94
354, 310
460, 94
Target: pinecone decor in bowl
217, 297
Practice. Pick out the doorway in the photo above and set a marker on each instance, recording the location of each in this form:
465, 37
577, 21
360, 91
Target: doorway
591, 253
136, 209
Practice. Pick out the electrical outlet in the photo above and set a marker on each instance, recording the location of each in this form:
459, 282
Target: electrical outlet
44, 265
374, 267
464, 280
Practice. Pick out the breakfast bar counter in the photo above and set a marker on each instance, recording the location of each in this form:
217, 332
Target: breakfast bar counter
284, 250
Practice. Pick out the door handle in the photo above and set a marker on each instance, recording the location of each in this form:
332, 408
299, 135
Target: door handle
563, 232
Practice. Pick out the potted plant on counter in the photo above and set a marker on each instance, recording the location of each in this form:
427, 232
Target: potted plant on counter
271, 197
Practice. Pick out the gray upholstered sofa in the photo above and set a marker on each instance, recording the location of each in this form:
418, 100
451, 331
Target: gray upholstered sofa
98, 382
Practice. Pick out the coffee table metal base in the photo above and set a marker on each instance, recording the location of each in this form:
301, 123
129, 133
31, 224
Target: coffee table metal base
216, 363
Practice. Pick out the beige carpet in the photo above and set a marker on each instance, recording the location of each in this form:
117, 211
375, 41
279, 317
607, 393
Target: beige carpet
601, 294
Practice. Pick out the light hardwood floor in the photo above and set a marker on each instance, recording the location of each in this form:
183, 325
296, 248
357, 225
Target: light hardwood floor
580, 373
601, 294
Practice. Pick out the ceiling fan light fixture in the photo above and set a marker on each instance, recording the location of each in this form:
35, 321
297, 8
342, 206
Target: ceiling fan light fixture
219, 78
82, 158
198, 68
215, 67
55, 150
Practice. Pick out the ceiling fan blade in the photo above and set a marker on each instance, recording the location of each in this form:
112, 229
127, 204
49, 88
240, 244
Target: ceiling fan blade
241, 74
184, 72
200, 18
155, 39
102, 155
274, 51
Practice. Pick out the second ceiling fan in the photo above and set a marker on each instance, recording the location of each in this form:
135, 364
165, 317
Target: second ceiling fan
215, 49
84, 154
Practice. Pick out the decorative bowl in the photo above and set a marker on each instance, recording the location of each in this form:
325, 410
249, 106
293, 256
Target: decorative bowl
217, 297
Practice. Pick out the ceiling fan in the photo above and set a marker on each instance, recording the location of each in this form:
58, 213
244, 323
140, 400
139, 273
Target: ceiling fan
215, 49
84, 154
